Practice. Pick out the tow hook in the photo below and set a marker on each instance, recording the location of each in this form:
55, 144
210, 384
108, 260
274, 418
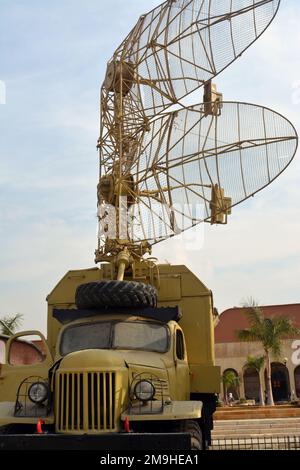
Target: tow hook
39, 426
126, 424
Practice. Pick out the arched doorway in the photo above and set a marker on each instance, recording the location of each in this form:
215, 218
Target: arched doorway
297, 381
280, 382
231, 383
251, 384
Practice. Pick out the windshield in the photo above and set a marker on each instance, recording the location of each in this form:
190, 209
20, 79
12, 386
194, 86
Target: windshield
115, 335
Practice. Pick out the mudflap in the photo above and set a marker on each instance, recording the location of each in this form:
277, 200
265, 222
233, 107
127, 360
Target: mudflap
114, 442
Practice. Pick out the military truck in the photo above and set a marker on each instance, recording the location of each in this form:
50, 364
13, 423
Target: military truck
117, 370
128, 362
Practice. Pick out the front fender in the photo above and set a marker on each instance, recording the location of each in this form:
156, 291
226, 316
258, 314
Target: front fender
7, 415
155, 411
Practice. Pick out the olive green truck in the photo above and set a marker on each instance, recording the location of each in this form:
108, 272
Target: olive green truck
124, 366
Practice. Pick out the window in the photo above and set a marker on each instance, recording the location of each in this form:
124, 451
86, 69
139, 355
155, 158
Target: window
251, 384
231, 384
138, 335
147, 336
179, 345
88, 336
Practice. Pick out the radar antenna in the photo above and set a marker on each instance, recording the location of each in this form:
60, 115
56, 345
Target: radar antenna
166, 166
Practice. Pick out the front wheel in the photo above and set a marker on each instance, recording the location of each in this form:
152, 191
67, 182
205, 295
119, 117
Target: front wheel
192, 427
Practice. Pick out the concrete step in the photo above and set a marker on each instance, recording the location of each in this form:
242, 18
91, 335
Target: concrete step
260, 425
248, 428
243, 429
287, 430
245, 422
262, 415
237, 413
254, 436
287, 406
294, 432
258, 429
245, 432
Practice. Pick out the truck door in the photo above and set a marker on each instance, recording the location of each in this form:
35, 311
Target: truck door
27, 356
181, 367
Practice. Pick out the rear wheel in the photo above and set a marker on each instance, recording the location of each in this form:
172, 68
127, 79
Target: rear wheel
115, 294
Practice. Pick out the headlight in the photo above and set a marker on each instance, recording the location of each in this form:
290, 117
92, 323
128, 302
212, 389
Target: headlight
144, 390
38, 392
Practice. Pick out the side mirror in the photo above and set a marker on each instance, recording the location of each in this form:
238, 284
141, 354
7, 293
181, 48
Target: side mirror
27, 348
2, 351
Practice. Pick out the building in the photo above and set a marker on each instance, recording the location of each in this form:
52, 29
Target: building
231, 354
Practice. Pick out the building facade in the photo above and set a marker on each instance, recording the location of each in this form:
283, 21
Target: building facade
232, 354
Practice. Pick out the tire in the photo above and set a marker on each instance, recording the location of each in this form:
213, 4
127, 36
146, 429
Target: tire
115, 294
193, 428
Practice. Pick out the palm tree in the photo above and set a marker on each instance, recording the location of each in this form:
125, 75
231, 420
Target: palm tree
257, 363
269, 332
10, 324
230, 380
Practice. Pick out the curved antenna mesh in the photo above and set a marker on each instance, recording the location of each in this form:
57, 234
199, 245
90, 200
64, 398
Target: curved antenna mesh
186, 153
181, 44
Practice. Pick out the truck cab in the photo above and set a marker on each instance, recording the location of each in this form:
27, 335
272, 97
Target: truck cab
124, 367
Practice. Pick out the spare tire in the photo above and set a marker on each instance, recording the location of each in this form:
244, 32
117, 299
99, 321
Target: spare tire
115, 294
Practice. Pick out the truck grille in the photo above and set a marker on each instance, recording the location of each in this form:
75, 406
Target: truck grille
85, 401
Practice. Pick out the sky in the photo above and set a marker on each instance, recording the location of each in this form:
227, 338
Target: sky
53, 59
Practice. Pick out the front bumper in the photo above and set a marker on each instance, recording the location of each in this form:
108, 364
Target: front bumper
114, 442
